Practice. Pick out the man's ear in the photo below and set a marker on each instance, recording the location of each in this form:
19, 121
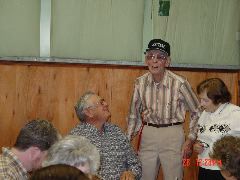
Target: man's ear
145, 61
34, 152
167, 64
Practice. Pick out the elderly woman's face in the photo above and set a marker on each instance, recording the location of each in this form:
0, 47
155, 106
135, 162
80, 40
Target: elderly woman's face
207, 103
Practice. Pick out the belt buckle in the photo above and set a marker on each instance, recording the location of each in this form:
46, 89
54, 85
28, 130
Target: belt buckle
172, 124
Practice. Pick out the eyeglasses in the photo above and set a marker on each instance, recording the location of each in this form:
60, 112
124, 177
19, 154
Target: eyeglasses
101, 102
158, 57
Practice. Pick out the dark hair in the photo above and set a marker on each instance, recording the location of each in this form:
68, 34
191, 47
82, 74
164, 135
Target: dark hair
216, 90
58, 172
227, 150
38, 133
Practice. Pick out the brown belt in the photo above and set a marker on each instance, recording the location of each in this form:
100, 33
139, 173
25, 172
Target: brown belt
161, 125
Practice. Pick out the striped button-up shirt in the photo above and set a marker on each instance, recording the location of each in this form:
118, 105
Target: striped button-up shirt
162, 103
11, 167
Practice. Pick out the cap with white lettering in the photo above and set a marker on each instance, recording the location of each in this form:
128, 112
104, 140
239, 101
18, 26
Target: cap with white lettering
158, 44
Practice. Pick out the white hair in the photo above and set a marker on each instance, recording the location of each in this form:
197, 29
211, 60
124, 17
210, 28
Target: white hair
75, 151
82, 105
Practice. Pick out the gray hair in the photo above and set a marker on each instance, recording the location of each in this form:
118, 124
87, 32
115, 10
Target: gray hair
82, 105
75, 151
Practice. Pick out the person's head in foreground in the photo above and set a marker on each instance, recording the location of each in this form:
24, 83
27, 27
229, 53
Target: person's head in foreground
33, 141
76, 151
58, 172
227, 150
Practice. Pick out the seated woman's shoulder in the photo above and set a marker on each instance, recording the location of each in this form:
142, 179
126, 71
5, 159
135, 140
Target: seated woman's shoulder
233, 107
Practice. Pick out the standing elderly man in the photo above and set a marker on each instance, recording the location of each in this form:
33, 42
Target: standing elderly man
159, 103
118, 159
29, 150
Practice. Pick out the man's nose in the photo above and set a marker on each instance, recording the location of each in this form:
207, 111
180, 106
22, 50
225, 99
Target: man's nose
155, 59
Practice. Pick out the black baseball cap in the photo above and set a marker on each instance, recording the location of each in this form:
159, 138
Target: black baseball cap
159, 44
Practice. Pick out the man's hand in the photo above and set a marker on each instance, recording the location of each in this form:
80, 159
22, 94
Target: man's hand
187, 149
127, 175
198, 147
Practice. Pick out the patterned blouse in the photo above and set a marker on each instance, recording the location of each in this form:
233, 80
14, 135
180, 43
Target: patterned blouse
11, 167
116, 153
213, 126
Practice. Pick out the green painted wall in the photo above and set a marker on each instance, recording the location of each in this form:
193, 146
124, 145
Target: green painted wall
19, 27
199, 31
97, 29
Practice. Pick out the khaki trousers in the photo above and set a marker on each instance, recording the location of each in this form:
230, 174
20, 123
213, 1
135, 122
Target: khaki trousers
162, 146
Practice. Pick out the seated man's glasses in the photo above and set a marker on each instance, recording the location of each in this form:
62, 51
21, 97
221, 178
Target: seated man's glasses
101, 102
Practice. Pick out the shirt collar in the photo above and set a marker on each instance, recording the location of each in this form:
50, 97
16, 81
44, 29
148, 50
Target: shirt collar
92, 128
7, 152
164, 81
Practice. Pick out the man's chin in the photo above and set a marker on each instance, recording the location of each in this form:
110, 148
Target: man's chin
155, 72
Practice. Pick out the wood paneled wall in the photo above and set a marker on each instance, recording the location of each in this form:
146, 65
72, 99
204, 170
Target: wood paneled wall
50, 91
